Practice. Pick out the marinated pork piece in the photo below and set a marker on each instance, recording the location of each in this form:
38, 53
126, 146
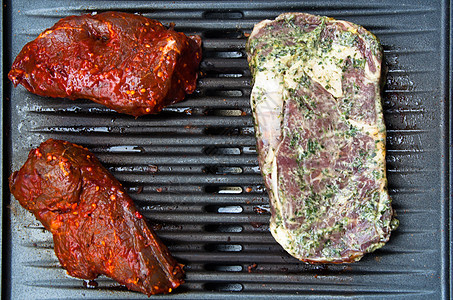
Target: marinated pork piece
321, 136
127, 62
95, 225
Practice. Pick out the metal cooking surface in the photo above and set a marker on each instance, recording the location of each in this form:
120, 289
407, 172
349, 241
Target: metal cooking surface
193, 171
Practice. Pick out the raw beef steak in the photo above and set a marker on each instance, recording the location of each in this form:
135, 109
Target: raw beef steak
321, 136
95, 225
124, 61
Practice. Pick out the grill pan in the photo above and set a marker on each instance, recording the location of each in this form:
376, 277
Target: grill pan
193, 172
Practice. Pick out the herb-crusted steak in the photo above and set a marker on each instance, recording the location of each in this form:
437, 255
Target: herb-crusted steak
321, 136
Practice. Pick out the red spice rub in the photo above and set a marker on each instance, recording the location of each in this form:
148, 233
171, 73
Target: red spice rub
96, 227
127, 62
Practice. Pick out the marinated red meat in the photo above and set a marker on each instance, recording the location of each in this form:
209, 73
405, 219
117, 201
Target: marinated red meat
127, 62
321, 136
96, 227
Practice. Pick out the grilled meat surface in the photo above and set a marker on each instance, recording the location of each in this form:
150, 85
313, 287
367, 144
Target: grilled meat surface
321, 136
96, 227
127, 62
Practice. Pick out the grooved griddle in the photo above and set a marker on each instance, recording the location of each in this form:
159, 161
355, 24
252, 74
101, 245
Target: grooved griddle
193, 171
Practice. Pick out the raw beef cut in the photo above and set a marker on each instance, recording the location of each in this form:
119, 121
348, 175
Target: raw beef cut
127, 62
321, 136
95, 225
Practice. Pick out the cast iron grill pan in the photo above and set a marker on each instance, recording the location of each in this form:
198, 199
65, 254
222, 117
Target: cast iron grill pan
193, 172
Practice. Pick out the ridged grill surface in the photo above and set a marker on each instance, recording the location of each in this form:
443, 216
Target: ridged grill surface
193, 170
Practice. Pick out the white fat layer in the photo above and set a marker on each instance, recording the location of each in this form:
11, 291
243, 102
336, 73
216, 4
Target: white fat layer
274, 182
171, 45
326, 69
267, 99
329, 73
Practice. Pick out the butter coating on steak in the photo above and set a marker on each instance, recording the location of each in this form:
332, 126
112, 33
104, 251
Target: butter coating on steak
321, 136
